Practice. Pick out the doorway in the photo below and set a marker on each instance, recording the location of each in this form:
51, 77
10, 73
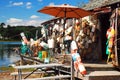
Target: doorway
104, 25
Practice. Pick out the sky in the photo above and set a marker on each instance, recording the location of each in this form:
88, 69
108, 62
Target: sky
24, 12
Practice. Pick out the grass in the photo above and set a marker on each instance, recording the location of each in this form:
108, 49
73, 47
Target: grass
4, 68
11, 69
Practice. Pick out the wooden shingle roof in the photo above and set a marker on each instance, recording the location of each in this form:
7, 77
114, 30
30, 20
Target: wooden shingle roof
99, 3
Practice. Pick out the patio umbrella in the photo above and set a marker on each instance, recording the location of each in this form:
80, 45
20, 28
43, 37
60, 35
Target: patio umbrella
64, 11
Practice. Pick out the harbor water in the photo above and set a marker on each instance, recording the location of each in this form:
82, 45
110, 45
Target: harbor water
7, 54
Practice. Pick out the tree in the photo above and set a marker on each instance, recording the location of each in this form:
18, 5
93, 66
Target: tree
2, 25
13, 32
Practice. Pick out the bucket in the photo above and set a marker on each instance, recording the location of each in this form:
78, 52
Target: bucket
44, 54
46, 60
40, 54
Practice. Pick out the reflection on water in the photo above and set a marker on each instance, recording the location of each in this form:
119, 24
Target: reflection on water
7, 55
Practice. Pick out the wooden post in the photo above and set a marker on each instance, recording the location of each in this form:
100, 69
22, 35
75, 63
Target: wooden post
72, 69
116, 54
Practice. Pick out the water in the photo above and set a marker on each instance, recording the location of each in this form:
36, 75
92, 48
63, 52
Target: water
7, 54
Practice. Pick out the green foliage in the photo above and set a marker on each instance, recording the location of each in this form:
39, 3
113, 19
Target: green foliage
13, 32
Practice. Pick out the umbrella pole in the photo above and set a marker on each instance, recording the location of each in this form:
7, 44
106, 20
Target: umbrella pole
64, 48
64, 32
64, 23
64, 27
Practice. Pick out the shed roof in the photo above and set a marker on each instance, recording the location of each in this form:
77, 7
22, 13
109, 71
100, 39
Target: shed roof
99, 3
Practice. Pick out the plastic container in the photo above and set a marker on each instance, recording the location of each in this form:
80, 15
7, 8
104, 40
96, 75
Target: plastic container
44, 54
40, 54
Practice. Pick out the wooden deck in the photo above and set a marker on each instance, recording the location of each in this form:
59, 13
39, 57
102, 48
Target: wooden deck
67, 69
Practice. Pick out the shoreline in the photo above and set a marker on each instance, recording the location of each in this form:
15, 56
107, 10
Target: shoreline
6, 76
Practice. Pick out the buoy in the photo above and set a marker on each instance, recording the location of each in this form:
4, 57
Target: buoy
44, 45
74, 45
24, 38
111, 42
51, 43
82, 68
78, 65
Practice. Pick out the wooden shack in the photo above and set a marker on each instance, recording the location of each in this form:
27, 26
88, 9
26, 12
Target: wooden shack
104, 10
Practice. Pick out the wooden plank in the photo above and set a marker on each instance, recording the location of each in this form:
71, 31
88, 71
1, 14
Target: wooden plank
38, 72
38, 66
116, 44
30, 58
51, 77
23, 73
